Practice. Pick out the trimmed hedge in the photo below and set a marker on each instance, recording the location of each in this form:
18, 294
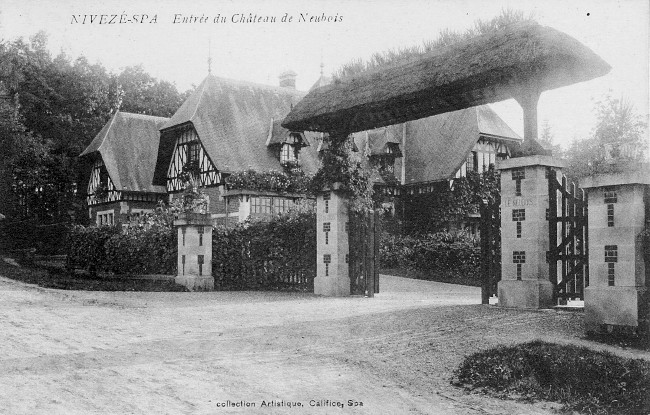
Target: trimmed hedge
266, 255
137, 250
581, 379
451, 255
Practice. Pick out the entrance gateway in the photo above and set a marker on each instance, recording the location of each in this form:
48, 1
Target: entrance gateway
568, 239
485, 69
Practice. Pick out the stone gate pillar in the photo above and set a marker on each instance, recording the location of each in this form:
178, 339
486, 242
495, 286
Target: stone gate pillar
194, 251
332, 252
524, 232
617, 295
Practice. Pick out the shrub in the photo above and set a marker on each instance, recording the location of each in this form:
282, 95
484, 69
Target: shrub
276, 254
145, 248
580, 378
85, 246
292, 181
450, 254
141, 251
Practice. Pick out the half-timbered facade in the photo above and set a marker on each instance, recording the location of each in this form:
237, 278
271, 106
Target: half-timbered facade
190, 157
122, 156
227, 126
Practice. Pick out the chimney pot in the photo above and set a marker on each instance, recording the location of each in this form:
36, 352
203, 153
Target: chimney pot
288, 79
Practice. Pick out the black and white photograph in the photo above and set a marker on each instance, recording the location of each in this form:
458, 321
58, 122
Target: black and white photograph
325, 207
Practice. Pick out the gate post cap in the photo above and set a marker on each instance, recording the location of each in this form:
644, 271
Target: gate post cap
193, 218
537, 160
641, 176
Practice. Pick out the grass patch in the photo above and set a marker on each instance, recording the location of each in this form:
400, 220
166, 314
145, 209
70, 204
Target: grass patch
579, 378
53, 277
430, 276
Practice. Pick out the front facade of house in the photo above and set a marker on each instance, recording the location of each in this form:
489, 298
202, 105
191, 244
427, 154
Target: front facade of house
229, 126
122, 157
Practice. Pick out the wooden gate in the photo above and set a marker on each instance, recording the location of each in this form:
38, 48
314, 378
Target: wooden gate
364, 254
490, 233
567, 230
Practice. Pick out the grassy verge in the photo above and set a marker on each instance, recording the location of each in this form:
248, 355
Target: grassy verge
579, 378
429, 276
52, 277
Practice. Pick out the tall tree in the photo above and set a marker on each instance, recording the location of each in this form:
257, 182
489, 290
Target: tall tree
619, 139
144, 94
50, 110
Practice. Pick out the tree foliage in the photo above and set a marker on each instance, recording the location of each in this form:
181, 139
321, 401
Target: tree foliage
50, 110
341, 166
618, 141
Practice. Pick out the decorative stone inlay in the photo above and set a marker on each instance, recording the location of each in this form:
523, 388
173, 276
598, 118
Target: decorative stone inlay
327, 197
518, 174
610, 215
610, 197
518, 215
200, 259
519, 257
611, 253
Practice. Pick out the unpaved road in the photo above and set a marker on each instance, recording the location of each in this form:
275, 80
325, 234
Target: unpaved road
69, 352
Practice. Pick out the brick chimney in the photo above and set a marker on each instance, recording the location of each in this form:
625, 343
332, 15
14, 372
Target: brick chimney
288, 79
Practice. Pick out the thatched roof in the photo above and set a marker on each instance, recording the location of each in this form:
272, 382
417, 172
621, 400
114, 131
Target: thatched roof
128, 145
232, 119
489, 68
435, 147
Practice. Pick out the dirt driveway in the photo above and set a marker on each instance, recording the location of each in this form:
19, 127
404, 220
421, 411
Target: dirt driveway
184, 353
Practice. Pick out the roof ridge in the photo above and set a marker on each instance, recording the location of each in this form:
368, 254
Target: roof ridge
241, 82
198, 101
129, 114
108, 129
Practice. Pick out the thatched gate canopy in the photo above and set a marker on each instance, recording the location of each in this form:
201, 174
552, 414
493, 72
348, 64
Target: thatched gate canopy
518, 62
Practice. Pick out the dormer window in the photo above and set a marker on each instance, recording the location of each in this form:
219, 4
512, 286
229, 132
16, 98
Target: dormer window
288, 154
393, 149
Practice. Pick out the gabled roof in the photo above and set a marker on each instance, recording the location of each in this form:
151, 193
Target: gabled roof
321, 81
232, 119
128, 145
379, 138
437, 146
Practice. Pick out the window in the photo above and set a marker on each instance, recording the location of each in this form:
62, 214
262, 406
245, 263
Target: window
193, 152
472, 161
270, 205
261, 205
287, 154
105, 218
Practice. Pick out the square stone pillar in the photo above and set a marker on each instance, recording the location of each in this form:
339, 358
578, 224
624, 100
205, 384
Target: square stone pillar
524, 232
617, 295
332, 251
194, 251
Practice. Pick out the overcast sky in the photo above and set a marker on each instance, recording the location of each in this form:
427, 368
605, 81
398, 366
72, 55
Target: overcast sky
258, 52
